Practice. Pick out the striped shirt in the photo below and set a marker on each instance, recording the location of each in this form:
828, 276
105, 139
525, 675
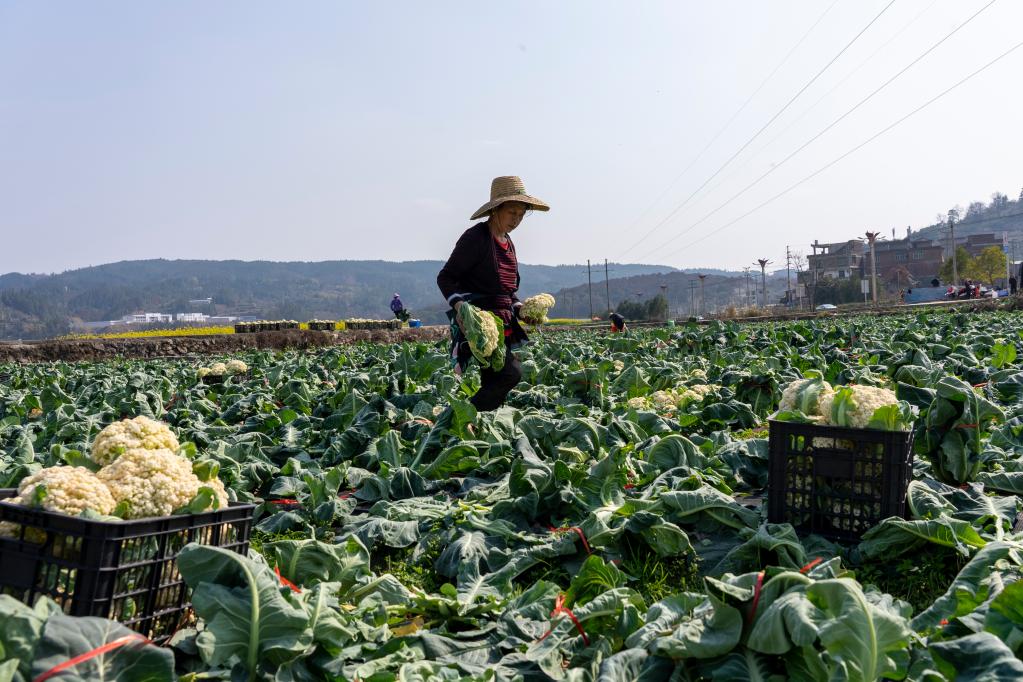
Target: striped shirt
507, 275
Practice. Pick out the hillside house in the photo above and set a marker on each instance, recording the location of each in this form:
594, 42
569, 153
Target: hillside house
903, 260
839, 260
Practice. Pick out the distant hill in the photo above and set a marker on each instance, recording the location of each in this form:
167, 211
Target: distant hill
36, 306
681, 289
999, 215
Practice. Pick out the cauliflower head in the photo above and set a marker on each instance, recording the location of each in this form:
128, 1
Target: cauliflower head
236, 367
203, 372
130, 434
154, 482
480, 327
69, 490
703, 389
854, 406
637, 403
804, 395
218, 369
534, 309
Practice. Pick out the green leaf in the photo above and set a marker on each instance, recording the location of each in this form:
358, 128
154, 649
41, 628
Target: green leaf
65, 637
980, 656
245, 611
863, 641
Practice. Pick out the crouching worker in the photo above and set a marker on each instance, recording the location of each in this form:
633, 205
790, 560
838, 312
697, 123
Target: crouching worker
617, 323
483, 270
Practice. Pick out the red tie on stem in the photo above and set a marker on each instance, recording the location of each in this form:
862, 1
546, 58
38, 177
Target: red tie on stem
809, 567
559, 608
756, 596
285, 581
98, 651
578, 531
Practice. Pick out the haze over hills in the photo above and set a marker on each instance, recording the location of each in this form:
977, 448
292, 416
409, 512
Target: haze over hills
35, 306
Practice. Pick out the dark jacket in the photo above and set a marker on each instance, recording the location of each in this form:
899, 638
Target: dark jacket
470, 274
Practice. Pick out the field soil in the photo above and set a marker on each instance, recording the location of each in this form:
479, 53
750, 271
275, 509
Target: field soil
74, 350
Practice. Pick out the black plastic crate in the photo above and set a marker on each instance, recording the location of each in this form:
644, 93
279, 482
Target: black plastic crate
837, 482
125, 571
237, 377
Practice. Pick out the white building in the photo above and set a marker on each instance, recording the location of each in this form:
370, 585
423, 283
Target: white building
146, 318
192, 317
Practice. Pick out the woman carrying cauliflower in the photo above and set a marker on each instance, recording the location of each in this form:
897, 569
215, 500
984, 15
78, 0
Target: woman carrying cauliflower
483, 270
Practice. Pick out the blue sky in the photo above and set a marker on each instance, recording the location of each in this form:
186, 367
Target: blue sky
334, 130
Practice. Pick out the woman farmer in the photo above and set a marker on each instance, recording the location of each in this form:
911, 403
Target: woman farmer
483, 270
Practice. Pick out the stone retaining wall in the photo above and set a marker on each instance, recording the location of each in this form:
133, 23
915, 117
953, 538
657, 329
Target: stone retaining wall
73, 350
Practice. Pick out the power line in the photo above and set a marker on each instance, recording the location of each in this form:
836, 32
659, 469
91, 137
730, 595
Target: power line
854, 149
836, 86
680, 206
726, 125
831, 125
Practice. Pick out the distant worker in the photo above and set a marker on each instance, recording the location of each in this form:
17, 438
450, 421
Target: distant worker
1012, 286
617, 323
398, 308
483, 270
935, 282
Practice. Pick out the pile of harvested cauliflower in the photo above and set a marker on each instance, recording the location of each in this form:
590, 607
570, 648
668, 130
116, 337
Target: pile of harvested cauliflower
137, 472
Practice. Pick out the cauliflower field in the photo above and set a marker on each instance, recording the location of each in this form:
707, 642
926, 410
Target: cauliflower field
605, 524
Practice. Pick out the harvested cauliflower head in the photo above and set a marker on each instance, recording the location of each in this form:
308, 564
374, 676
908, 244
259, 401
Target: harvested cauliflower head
534, 309
154, 482
68, 490
218, 369
129, 434
481, 331
854, 406
804, 395
236, 367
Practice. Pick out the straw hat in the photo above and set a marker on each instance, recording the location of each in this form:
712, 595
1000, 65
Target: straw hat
508, 188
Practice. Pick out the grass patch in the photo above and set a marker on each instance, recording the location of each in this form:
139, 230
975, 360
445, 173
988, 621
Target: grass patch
657, 577
919, 579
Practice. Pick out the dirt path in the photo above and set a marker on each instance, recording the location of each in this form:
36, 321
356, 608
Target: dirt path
174, 346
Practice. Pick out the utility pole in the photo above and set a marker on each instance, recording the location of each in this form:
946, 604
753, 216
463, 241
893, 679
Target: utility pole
703, 301
607, 288
692, 298
871, 238
664, 293
952, 230
763, 262
746, 270
589, 286
788, 277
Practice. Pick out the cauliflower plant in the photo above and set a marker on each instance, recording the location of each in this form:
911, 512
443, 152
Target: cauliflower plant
534, 309
155, 482
130, 434
236, 367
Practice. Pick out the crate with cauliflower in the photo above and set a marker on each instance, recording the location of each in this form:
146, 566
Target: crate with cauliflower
101, 540
841, 458
218, 372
